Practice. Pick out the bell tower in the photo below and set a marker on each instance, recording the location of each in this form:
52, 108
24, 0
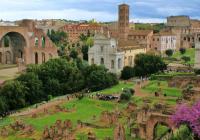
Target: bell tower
123, 21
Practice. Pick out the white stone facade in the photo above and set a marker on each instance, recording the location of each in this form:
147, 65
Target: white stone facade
105, 52
168, 42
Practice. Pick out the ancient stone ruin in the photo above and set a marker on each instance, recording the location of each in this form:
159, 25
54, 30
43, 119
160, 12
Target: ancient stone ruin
184, 81
119, 132
60, 130
18, 126
109, 118
91, 136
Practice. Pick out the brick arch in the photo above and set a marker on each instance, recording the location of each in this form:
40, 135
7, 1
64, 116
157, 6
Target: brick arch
18, 44
162, 123
15, 29
152, 122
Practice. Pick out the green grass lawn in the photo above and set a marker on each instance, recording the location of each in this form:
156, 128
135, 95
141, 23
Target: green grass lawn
160, 130
118, 88
83, 110
153, 87
189, 53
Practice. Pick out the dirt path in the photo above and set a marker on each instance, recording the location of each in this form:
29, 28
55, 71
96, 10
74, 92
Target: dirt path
7, 74
139, 92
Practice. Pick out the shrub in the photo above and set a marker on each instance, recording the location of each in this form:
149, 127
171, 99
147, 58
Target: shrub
189, 116
182, 50
169, 52
14, 93
127, 94
186, 58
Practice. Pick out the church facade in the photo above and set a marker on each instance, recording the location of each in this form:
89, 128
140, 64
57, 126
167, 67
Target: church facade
116, 50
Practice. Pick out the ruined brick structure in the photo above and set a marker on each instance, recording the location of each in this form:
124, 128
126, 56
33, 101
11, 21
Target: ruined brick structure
197, 52
148, 121
25, 43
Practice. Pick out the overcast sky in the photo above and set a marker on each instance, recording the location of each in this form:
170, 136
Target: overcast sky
101, 10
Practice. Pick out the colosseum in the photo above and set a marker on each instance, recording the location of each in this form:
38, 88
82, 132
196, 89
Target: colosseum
26, 44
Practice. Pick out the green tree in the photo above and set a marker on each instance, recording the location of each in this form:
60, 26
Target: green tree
169, 52
53, 87
60, 38
73, 54
85, 52
83, 37
127, 73
14, 92
34, 87
147, 64
99, 78
3, 106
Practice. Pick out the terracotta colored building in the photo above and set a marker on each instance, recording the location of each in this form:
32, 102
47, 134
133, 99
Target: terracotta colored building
75, 30
25, 44
143, 37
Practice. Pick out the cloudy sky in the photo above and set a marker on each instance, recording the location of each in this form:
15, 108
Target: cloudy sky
101, 10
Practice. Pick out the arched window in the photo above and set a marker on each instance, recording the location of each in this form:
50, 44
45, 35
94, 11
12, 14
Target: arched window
119, 63
43, 42
102, 61
43, 58
92, 61
36, 42
36, 58
112, 64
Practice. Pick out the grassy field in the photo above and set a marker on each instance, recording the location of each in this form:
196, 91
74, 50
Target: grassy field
83, 110
153, 87
118, 88
189, 53
160, 130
